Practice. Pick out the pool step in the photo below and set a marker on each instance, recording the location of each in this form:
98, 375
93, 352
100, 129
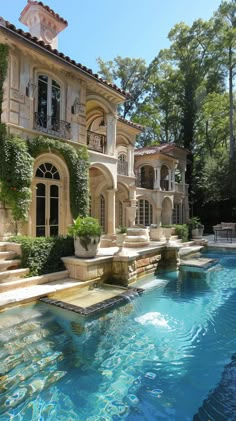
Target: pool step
188, 252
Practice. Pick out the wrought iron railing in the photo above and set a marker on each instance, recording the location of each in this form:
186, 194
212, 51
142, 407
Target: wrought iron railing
164, 185
122, 167
144, 182
51, 125
96, 141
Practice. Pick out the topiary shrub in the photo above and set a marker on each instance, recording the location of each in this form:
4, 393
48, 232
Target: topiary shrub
43, 254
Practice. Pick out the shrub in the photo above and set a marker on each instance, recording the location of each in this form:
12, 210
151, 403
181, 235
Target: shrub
121, 230
85, 227
43, 254
182, 231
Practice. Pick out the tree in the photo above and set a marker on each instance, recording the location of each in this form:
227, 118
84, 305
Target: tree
130, 74
225, 47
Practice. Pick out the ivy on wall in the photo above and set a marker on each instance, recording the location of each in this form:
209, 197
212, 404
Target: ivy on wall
77, 163
4, 52
16, 171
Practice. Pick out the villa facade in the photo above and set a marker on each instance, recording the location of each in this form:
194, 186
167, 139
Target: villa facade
47, 93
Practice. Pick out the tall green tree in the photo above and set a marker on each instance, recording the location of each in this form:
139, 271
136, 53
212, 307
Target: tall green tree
224, 47
131, 75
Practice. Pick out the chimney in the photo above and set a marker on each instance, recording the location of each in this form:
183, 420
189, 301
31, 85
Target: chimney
43, 22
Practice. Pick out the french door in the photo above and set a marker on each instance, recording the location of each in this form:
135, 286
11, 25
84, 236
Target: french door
47, 208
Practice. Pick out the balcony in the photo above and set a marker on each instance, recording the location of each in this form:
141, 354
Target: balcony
50, 125
144, 182
96, 142
122, 167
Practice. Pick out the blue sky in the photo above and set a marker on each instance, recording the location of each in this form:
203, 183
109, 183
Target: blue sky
107, 28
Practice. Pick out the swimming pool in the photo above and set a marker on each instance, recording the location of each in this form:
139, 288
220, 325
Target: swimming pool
155, 358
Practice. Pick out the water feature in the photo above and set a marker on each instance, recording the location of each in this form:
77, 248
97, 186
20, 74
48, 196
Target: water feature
155, 358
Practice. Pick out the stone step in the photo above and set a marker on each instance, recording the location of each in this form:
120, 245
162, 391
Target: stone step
7, 255
188, 252
8, 264
7, 246
34, 292
33, 280
12, 275
3, 246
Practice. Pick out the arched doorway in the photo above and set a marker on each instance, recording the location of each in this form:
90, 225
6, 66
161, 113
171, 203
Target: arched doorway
164, 183
102, 194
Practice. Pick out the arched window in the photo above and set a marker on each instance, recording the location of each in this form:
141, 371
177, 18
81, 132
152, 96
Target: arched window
164, 178
102, 213
48, 113
144, 213
47, 200
47, 170
122, 164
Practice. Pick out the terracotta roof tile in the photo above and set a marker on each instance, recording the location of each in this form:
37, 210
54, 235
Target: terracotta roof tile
47, 8
162, 148
130, 123
55, 52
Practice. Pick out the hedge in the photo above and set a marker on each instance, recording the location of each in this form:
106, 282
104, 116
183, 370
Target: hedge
43, 254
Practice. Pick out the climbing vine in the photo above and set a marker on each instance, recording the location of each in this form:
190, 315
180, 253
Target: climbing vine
4, 52
16, 175
77, 163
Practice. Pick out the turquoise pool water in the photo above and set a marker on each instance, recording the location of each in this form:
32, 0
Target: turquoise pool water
156, 358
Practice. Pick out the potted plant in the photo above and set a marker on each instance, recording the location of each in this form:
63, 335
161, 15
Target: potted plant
156, 232
195, 227
87, 233
121, 233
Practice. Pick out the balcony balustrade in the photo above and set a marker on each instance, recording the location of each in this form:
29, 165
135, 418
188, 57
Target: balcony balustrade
122, 167
144, 182
51, 125
96, 141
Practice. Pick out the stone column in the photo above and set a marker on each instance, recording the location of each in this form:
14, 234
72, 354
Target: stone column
157, 179
183, 181
169, 179
111, 217
111, 134
173, 180
130, 160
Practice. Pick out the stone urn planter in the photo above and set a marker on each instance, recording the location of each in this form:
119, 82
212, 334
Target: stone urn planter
167, 232
86, 247
87, 233
156, 233
121, 233
197, 232
196, 228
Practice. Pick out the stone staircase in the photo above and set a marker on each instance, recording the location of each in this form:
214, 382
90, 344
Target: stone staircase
16, 288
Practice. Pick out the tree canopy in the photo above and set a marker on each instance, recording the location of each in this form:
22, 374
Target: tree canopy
186, 95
